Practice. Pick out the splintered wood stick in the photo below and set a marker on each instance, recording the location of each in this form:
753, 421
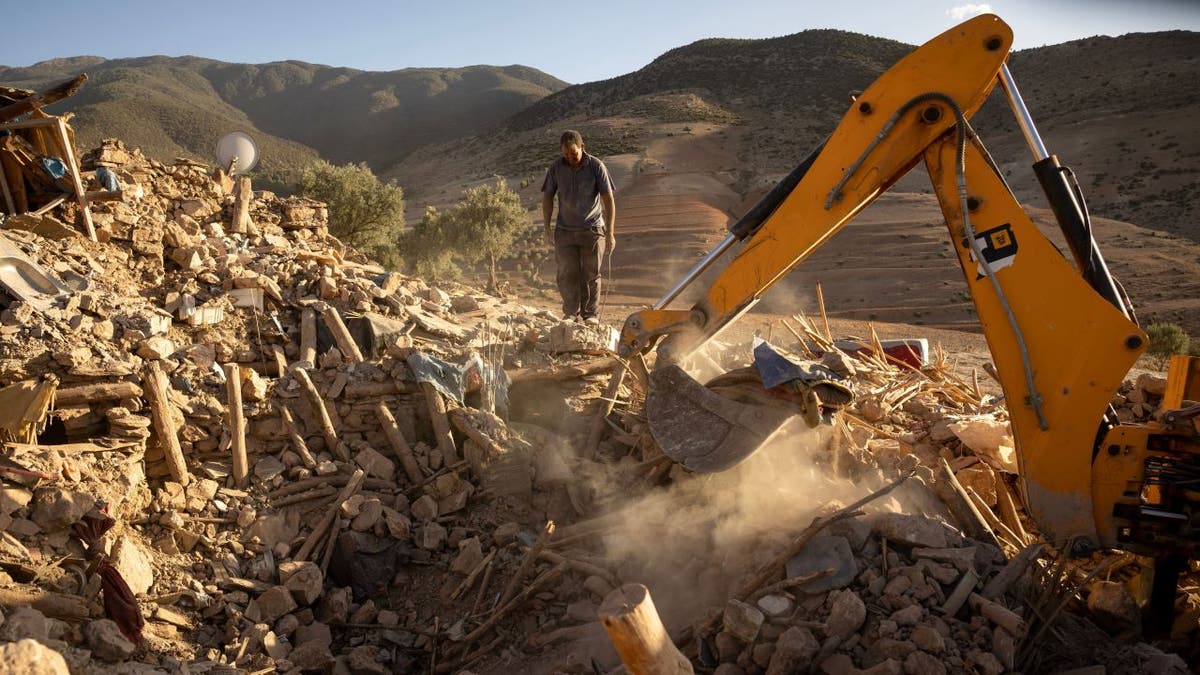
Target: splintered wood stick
341, 334
289, 423
470, 580
310, 544
68, 150
999, 584
1008, 510
441, 425
399, 444
163, 416
483, 586
824, 319
537, 585
280, 360
636, 631
237, 424
580, 566
604, 406
330, 544
308, 336
527, 564
336, 446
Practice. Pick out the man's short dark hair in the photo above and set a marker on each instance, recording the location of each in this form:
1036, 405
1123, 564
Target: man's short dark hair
571, 137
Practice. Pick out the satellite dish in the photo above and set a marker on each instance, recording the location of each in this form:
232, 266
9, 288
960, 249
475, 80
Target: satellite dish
237, 153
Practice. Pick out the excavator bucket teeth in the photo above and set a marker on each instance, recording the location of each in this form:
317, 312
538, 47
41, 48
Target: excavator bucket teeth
702, 430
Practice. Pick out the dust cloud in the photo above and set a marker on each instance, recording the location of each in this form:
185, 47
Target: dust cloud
693, 543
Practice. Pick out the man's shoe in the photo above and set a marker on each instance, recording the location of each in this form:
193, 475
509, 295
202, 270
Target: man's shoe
592, 321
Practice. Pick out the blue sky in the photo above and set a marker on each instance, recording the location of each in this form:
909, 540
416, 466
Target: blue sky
574, 41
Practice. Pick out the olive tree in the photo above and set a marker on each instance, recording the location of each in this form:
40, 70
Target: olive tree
1166, 339
363, 212
485, 224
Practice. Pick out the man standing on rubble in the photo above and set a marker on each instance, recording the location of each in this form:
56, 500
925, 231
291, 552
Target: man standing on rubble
584, 230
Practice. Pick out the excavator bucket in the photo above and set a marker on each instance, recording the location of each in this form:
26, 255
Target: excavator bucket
704, 430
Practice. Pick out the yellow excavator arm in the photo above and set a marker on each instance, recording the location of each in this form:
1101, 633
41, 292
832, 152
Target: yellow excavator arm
1061, 335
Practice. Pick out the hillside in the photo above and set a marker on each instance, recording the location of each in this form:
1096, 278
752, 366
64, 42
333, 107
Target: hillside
172, 106
1112, 108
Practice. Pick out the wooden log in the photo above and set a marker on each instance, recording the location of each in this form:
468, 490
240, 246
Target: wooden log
241, 205
441, 425
341, 335
94, 393
632, 623
958, 597
42, 98
357, 390
538, 584
559, 371
952, 494
68, 150
473, 575
336, 446
580, 566
281, 364
163, 418
531, 556
999, 584
237, 424
1008, 510
998, 614
72, 608
301, 447
10, 206
310, 544
603, 407
308, 337
399, 444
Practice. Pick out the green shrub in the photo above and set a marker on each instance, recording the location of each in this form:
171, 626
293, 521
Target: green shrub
363, 212
1166, 339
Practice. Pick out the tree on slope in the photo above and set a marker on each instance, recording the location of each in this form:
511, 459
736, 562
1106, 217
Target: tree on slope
363, 212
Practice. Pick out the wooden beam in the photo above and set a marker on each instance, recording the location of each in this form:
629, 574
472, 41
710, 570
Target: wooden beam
81, 194
237, 424
318, 532
14, 180
341, 334
308, 336
91, 393
241, 205
335, 444
399, 444
441, 425
632, 623
604, 406
43, 98
289, 423
163, 417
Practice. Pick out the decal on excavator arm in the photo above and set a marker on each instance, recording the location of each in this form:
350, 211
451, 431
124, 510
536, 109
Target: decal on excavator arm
999, 248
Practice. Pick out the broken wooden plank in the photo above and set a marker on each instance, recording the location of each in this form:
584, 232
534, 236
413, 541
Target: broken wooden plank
163, 417
399, 444
237, 424
341, 335
310, 544
301, 447
85, 211
241, 206
317, 403
441, 425
42, 98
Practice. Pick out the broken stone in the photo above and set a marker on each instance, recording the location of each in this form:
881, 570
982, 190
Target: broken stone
369, 514
424, 509
927, 639
597, 586
963, 558
984, 663
107, 643
56, 508
30, 657
431, 537
824, 552
775, 605
794, 651
920, 663
982, 479
275, 602
742, 620
24, 622
470, 554
505, 534
367, 660
303, 580
909, 616
895, 650
134, 564
846, 614
375, 464
155, 348
911, 530
311, 657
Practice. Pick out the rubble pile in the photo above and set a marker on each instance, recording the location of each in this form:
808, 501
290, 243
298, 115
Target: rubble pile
294, 460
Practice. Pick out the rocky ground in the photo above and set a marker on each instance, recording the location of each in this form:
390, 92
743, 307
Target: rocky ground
232, 444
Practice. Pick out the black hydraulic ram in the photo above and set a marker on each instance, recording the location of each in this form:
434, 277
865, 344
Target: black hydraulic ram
1066, 200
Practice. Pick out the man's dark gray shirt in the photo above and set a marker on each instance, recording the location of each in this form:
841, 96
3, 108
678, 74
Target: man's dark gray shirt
579, 192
